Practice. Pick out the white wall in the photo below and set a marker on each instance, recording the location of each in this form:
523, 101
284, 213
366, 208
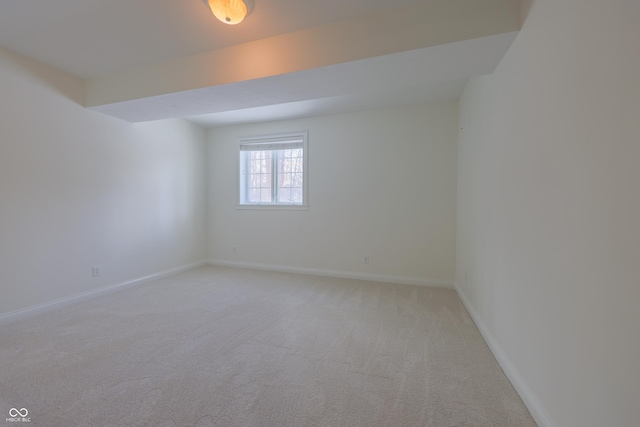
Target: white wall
381, 183
548, 252
79, 189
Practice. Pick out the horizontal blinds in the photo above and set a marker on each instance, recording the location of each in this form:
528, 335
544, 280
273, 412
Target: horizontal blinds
270, 145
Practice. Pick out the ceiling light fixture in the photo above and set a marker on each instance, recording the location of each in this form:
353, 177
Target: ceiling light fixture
230, 11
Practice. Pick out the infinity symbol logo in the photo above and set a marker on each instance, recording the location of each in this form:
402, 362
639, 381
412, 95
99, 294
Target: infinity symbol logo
13, 412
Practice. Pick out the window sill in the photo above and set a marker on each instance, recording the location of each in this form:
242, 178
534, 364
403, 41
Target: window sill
273, 207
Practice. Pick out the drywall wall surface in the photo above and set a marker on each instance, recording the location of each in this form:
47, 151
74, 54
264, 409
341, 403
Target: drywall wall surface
548, 241
79, 190
382, 184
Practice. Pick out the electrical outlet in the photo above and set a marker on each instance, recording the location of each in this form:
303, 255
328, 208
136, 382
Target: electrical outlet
366, 259
95, 271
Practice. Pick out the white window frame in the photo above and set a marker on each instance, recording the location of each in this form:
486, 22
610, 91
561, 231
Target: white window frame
280, 139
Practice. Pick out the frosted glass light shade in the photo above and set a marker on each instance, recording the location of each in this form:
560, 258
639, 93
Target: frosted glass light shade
230, 11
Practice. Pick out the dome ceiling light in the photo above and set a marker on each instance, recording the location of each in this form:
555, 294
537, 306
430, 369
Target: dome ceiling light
230, 12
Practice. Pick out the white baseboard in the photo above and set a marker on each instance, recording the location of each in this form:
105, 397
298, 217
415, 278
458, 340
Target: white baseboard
337, 274
63, 302
537, 411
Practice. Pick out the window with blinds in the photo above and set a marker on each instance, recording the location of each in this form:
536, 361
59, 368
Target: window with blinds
273, 170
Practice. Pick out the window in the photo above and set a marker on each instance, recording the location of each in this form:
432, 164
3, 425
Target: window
273, 171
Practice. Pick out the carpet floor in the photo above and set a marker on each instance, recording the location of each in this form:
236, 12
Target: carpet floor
230, 347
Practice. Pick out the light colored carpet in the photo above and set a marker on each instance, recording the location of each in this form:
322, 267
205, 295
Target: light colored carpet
229, 347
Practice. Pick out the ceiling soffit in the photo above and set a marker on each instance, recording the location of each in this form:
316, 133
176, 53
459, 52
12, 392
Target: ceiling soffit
408, 28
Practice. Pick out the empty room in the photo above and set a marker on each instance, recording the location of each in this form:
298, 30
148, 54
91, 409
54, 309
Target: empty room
320, 213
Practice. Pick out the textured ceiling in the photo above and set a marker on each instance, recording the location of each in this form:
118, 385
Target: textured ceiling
156, 59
